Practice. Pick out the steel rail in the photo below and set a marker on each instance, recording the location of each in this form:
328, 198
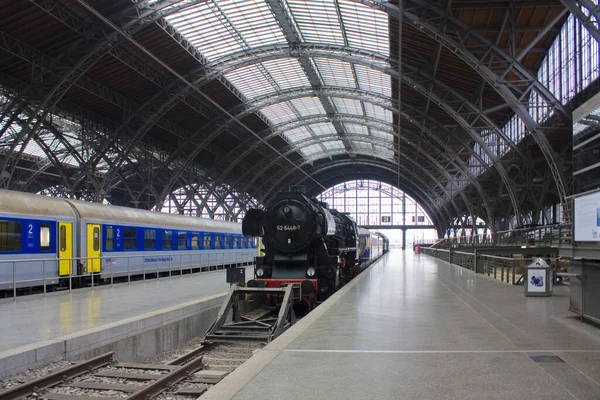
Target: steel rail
189, 355
56, 377
163, 383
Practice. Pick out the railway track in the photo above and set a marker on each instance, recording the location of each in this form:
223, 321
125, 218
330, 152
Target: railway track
189, 375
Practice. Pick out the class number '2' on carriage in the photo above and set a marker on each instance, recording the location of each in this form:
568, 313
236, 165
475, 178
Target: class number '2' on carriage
308, 244
59, 242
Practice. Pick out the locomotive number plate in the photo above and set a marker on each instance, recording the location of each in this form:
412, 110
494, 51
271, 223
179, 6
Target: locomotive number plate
288, 227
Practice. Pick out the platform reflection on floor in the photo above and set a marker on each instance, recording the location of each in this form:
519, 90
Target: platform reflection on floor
36, 318
419, 328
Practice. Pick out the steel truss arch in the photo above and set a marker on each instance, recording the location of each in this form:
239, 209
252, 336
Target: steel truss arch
351, 55
589, 21
426, 159
246, 148
83, 54
439, 214
448, 154
262, 102
243, 111
425, 201
66, 69
422, 15
414, 175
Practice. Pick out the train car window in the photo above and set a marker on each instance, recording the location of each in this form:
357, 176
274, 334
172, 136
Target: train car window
207, 241
236, 242
218, 242
195, 241
96, 238
129, 239
62, 238
167, 241
149, 239
227, 241
181, 240
44, 236
10, 236
110, 238
243, 243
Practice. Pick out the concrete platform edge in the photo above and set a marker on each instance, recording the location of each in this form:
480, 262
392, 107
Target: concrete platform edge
132, 339
232, 384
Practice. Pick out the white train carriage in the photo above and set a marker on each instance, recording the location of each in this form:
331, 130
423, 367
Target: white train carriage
371, 246
45, 239
121, 241
36, 240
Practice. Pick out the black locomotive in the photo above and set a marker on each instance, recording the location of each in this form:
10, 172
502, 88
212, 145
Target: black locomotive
306, 243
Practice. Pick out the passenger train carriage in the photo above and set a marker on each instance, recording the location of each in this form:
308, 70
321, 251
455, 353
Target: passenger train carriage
371, 246
57, 239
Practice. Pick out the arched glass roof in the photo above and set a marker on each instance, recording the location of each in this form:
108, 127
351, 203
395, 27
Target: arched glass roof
220, 28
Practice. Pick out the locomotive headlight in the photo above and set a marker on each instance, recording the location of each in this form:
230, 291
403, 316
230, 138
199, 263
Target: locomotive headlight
311, 271
260, 272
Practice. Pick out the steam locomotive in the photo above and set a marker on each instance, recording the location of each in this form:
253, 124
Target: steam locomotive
307, 243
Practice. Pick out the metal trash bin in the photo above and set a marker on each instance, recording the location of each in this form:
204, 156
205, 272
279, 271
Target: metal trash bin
538, 279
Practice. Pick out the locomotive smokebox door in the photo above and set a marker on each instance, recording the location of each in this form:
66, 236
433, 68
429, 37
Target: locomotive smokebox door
236, 275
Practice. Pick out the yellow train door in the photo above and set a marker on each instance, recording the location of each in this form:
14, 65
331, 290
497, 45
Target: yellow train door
65, 248
93, 248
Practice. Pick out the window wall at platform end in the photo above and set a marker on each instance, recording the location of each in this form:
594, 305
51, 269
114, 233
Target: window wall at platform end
381, 207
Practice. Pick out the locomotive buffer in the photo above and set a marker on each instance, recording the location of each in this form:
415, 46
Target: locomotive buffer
263, 324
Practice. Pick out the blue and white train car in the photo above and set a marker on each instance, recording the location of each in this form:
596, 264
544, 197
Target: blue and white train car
371, 246
134, 241
51, 238
36, 239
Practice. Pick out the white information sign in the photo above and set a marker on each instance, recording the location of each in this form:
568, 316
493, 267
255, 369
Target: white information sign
587, 218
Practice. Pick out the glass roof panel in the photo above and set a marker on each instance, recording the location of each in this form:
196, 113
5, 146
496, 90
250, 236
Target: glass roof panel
365, 27
317, 20
308, 106
297, 134
373, 80
279, 113
287, 72
335, 72
334, 145
385, 152
312, 149
323, 128
381, 134
356, 129
251, 80
375, 111
268, 77
221, 27
361, 145
218, 28
347, 106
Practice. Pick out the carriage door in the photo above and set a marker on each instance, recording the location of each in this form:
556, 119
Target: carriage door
65, 248
93, 248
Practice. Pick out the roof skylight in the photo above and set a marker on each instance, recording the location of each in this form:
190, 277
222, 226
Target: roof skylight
219, 28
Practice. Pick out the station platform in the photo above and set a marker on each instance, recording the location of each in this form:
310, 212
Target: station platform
38, 328
414, 327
